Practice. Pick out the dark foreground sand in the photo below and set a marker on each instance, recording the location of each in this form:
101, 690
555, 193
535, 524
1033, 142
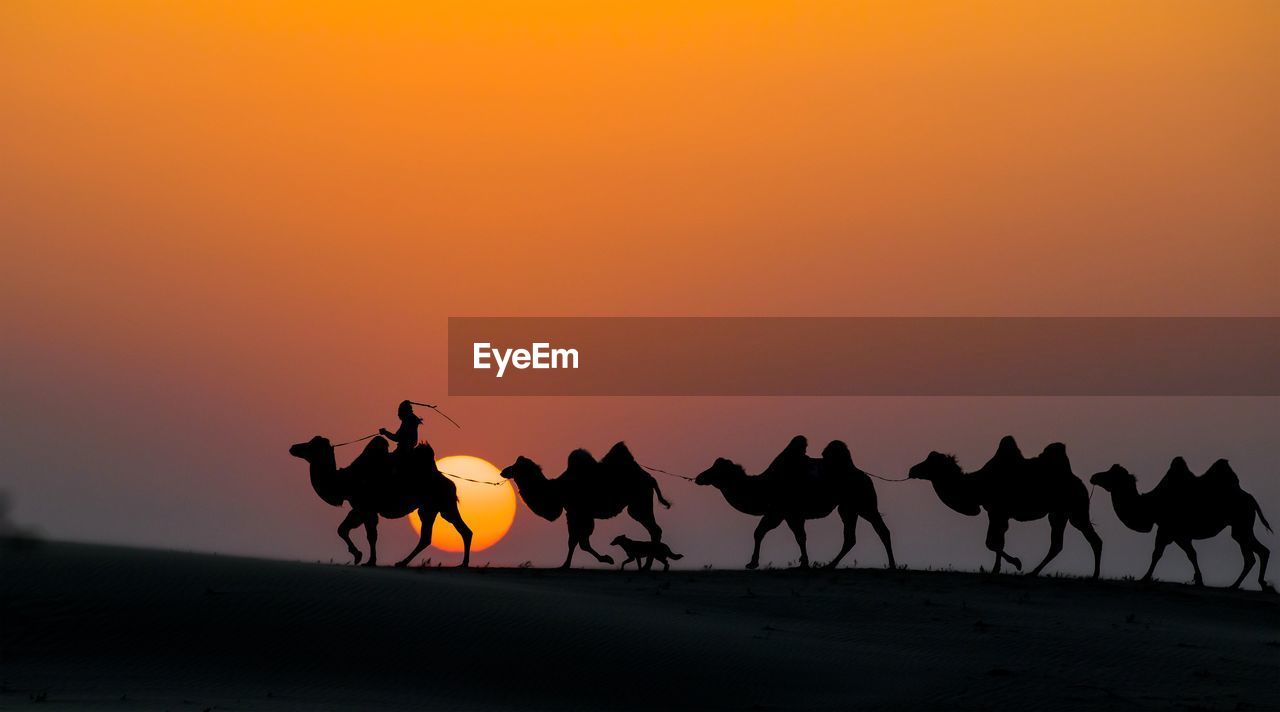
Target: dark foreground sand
110, 628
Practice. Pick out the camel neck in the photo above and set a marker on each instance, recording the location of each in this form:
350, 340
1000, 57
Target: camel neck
325, 480
1132, 508
959, 492
540, 494
745, 494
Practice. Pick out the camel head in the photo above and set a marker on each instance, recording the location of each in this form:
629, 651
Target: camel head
721, 472
325, 479
935, 466
314, 450
1115, 478
521, 467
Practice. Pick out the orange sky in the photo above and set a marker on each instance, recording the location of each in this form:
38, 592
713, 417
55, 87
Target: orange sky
250, 221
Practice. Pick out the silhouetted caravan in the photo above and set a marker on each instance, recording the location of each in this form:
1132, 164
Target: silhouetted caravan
376, 486
649, 550
1183, 508
1010, 486
589, 490
796, 487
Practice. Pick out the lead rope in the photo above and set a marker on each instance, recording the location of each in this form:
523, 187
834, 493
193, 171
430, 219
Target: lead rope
672, 474
356, 440
887, 479
468, 479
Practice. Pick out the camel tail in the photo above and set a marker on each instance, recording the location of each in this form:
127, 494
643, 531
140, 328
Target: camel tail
1258, 509
663, 500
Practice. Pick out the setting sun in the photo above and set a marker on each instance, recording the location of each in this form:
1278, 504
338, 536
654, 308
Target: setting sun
487, 509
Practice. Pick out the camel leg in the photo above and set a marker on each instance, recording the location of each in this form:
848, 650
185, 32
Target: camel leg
802, 539
1263, 555
573, 544
352, 520
428, 519
642, 512
453, 516
575, 534
371, 532
767, 524
1081, 521
1161, 542
882, 531
1057, 525
996, 527
850, 519
1189, 548
584, 541
1246, 540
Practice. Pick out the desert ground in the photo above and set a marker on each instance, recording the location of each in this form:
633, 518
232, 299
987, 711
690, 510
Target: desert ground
95, 627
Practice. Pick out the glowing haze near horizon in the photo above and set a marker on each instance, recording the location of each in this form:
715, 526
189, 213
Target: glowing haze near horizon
228, 227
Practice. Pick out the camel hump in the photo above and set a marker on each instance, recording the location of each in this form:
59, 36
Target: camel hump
1055, 457
837, 453
581, 458
619, 454
1178, 467
1176, 480
1008, 447
374, 455
1008, 455
797, 448
793, 458
1220, 473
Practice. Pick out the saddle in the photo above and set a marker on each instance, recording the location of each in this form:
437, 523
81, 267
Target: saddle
377, 461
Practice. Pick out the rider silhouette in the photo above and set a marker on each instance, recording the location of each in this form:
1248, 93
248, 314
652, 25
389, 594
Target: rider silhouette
406, 436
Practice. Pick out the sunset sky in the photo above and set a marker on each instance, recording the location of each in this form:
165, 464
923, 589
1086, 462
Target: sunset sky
230, 226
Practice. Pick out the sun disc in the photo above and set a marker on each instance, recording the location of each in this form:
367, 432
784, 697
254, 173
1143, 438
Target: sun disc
487, 509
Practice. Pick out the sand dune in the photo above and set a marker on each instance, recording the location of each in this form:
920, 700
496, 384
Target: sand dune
101, 627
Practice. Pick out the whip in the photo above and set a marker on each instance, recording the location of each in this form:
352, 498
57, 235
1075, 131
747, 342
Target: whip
438, 412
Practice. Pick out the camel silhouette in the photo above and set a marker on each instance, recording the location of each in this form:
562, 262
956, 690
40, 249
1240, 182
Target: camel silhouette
796, 487
589, 490
374, 487
1011, 486
1183, 508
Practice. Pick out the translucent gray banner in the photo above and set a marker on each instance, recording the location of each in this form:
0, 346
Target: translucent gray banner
845, 356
